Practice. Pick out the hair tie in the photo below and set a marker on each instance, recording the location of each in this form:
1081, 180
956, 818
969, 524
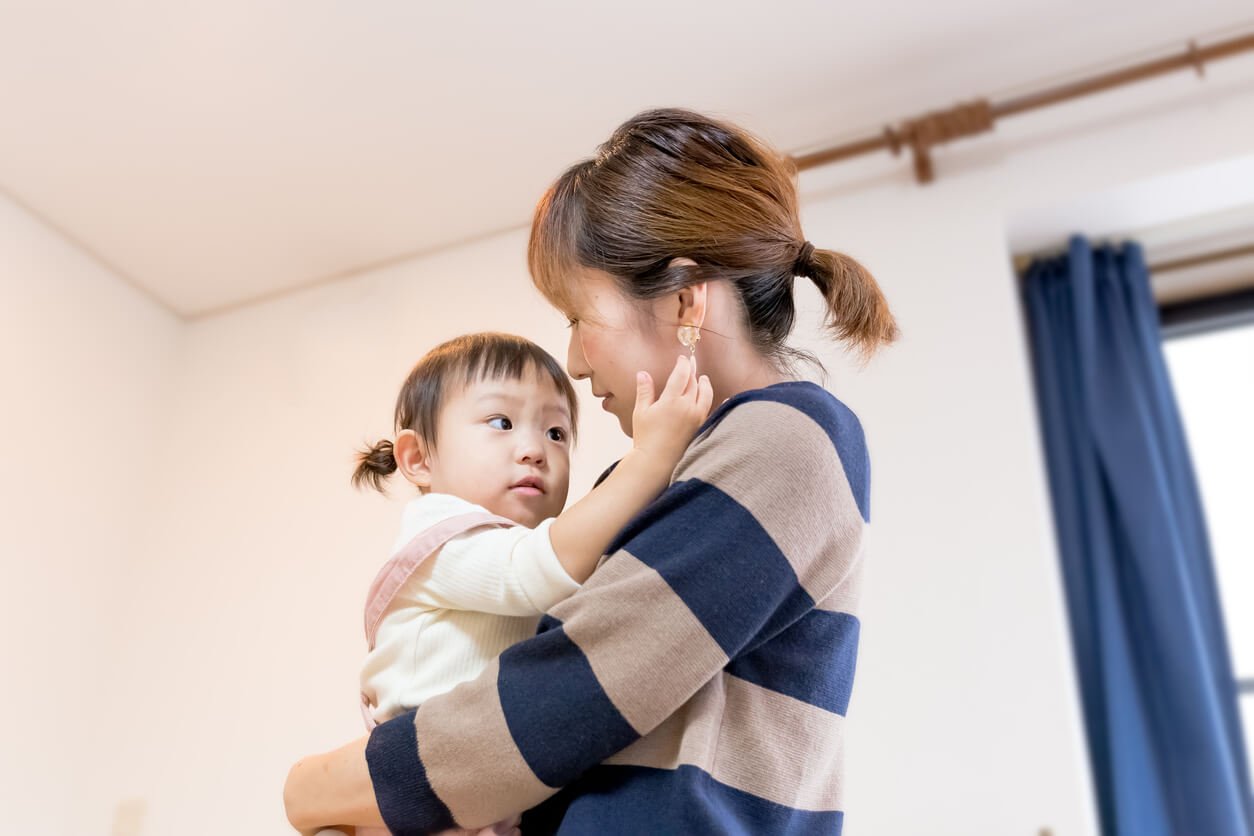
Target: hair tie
801, 267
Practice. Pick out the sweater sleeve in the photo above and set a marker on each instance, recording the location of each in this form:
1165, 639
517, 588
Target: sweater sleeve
505, 571
766, 516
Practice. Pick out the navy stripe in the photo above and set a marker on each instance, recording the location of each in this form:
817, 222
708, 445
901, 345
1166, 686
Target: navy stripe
837, 420
540, 681
611, 800
812, 661
402, 791
731, 575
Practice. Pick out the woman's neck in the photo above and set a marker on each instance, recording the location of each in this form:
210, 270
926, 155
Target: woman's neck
733, 371
726, 353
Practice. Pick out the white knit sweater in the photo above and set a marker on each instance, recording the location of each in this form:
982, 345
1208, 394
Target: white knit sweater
483, 592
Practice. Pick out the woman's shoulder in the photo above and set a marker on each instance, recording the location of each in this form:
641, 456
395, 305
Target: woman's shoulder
792, 435
790, 398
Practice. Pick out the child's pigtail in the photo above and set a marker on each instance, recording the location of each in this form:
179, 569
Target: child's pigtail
374, 465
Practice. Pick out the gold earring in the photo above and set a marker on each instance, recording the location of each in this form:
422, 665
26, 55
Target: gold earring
689, 336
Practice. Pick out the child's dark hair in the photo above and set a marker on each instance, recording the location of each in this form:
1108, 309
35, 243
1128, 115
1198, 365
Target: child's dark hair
461, 362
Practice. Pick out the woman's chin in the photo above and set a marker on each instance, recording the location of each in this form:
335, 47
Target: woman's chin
624, 423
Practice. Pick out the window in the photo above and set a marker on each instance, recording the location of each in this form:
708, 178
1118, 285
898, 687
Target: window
1213, 376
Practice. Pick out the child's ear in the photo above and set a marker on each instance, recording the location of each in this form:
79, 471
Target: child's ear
411, 459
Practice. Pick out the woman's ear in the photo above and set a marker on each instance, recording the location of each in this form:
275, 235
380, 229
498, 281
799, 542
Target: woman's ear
692, 304
692, 299
411, 459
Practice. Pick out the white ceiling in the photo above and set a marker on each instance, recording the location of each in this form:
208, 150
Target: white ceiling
218, 153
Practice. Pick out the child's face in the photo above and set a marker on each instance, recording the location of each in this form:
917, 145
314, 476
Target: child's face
495, 434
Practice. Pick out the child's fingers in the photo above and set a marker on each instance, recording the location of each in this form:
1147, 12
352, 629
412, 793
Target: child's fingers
644, 391
705, 395
677, 382
689, 391
690, 385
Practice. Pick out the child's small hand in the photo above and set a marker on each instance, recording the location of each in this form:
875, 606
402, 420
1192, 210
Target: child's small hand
663, 428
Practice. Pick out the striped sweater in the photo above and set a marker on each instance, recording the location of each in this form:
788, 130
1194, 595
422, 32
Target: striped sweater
698, 683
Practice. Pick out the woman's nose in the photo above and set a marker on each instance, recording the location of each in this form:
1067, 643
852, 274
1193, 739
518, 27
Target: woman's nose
576, 363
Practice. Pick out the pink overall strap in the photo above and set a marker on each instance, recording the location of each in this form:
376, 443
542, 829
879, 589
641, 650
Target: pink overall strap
402, 566
413, 554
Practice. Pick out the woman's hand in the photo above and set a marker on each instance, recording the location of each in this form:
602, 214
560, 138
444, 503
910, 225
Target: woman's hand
663, 428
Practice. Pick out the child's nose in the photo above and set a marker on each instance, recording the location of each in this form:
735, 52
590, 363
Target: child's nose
531, 450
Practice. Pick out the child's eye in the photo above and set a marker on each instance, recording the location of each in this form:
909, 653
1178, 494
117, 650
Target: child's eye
557, 434
500, 422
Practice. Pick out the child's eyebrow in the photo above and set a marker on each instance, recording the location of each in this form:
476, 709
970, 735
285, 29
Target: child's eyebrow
514, 400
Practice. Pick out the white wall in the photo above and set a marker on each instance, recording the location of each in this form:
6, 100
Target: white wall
242, 629
256, 662
965, 718
85, 362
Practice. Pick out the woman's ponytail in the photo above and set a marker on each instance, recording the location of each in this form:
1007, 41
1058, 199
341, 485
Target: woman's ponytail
374, 465
856, 309
673, 183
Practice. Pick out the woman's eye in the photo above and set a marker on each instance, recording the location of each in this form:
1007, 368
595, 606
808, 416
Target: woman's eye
571, 322
557, 434
500, 423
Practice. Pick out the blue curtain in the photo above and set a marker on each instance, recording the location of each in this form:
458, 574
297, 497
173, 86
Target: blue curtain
1157, 687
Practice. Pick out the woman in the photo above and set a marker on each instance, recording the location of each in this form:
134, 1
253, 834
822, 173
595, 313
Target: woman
698, 682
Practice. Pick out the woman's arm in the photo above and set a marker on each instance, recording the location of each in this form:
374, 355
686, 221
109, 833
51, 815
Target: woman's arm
331, 788
767, 519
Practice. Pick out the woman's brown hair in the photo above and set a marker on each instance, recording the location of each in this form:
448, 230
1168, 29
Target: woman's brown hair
673, 183
458, 362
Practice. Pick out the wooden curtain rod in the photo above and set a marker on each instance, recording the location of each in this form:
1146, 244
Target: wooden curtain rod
922, 133
1022, 260
1203, 258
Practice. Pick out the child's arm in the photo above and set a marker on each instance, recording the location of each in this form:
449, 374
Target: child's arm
662, 431
519, 571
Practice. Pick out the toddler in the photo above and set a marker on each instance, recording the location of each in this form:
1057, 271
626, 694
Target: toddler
484, 427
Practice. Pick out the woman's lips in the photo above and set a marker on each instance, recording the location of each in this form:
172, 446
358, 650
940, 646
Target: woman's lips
606, 401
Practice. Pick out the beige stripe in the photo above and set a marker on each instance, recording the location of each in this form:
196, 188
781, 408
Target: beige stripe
780, 748
462, 737
754, 739
623, 603
777, 462
690, 735
847, 596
